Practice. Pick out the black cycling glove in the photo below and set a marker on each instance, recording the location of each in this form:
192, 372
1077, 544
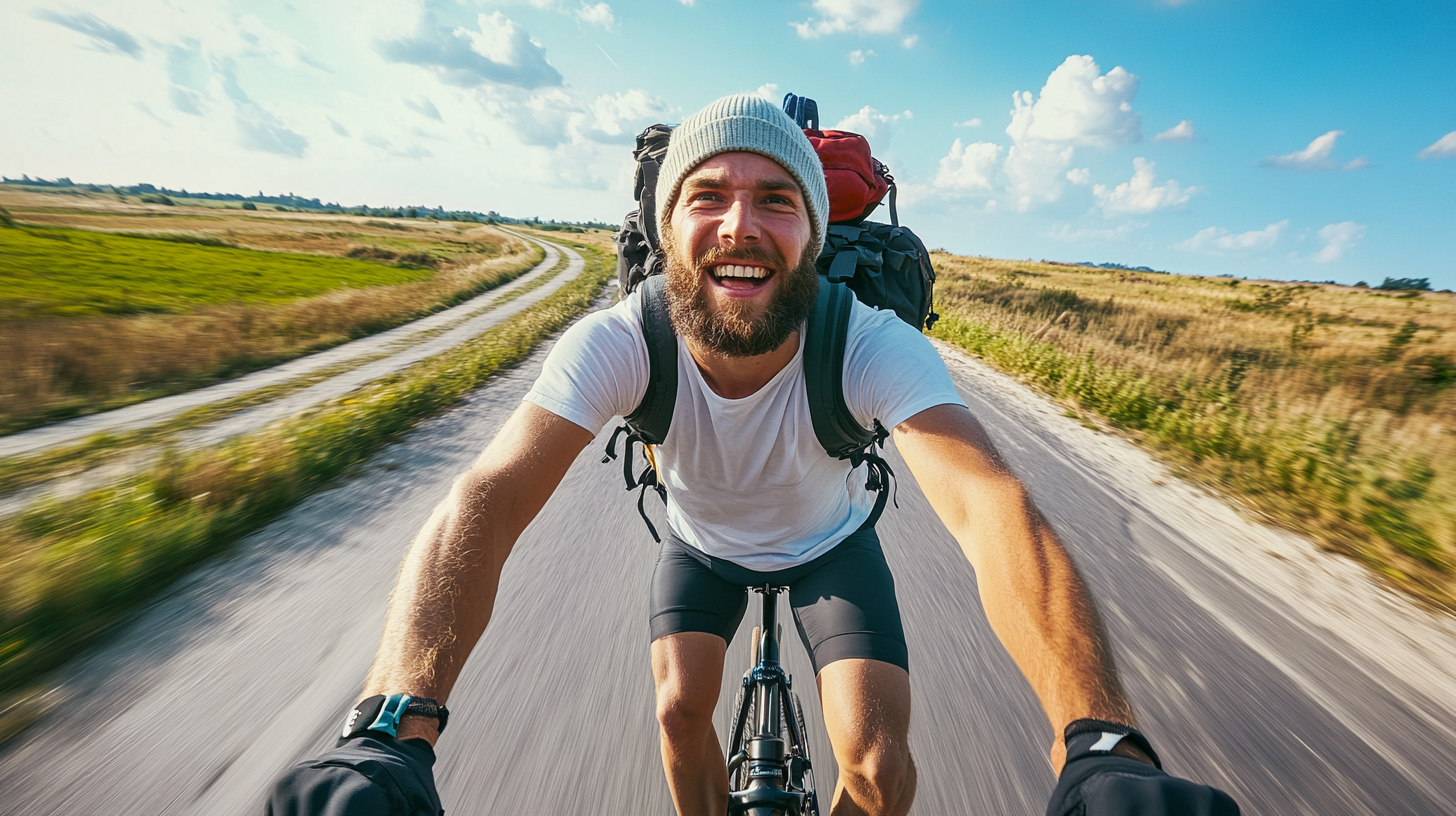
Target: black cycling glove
1095, 782
366, 776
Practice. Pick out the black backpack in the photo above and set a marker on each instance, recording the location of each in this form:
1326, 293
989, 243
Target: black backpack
882, 265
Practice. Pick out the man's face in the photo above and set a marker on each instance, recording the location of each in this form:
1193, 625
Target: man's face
740, 266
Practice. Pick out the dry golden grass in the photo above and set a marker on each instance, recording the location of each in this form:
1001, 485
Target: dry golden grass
1329, 407
61, 367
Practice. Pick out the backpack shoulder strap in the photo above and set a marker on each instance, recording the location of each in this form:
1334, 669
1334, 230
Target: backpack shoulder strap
653, 416
825, 336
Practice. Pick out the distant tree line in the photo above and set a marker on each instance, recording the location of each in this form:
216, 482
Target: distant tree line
162, 195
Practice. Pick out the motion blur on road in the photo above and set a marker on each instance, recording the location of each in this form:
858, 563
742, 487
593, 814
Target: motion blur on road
1256, 664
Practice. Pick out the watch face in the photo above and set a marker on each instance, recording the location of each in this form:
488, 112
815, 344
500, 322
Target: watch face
349, 723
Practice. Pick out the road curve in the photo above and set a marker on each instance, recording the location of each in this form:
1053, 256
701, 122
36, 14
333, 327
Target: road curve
1333, 697
372, 358
161, 409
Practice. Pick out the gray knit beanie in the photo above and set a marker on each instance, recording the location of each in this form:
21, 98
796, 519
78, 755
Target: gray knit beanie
748, 123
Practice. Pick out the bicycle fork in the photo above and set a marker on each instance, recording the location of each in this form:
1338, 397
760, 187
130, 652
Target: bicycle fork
774, 772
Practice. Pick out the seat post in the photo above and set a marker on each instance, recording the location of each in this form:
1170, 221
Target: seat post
768, 645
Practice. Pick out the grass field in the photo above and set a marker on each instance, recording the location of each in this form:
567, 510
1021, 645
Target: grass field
59, 272
1331, 409
70, 569
104, 303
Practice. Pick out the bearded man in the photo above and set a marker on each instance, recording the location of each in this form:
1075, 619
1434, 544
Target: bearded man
752, 499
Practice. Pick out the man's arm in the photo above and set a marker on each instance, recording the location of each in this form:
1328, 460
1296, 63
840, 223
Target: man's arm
446, 587
1032, 594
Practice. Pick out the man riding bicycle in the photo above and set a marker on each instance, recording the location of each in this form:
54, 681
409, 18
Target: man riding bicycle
753, 499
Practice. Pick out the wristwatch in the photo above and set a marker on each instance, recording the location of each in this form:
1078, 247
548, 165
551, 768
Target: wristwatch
1092, 737
382, 713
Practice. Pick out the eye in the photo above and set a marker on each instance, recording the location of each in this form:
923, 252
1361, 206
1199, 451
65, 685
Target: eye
707, 196
778, 199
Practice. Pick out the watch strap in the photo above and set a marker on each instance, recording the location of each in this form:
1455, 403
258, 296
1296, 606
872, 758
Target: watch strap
381, 714
1092, 737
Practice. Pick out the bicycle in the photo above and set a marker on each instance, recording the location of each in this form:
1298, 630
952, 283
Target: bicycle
769, 772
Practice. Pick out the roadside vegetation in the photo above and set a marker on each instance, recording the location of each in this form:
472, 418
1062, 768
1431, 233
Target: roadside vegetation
1330, 409
70, 568
105, 303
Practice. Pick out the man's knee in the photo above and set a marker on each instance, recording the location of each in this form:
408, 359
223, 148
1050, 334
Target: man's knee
688, 672
684, 708
879, 776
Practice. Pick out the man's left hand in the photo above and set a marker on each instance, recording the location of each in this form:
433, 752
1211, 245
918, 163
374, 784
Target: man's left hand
1125, 781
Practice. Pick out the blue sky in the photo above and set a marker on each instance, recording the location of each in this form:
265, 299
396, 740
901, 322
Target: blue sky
1294, 140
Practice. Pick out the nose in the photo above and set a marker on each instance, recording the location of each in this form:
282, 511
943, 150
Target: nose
739, 226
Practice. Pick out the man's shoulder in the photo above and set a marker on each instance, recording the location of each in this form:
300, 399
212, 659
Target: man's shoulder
868, 324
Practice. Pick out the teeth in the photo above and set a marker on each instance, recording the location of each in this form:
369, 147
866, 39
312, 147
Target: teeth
735, 271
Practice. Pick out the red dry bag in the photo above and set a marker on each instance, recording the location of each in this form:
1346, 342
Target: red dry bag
857, 181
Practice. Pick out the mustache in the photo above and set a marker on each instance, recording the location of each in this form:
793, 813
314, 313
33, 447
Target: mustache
713, 256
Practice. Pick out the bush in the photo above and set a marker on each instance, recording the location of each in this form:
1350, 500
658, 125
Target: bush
417, 260
1405, 284
156, 198
248, 205
373, 253
6, 219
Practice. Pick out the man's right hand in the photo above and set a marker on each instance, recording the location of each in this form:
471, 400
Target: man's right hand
366, 776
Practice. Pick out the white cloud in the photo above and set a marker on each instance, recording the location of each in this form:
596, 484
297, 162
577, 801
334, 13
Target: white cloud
909, 42
1339, 239
1181, 132
1217, 240
861, 16
618, 117
1443, 148
597, 14
969, 169
499, 52
1315, 156
1036, 171
1141, 194
767, 90
857, 57
1079, 106
873, 125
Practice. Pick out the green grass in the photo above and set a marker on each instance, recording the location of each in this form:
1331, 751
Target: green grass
1325, 408
57, 272
19, 472
70, 569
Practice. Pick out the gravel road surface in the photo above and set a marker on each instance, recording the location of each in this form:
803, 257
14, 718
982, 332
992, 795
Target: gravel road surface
1276, 672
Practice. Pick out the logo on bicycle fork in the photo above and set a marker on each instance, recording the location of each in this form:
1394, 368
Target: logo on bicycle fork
765, 770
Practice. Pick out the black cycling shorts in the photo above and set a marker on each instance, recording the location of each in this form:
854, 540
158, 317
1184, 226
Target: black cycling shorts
844, 600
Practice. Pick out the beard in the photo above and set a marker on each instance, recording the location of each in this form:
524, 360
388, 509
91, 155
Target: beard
733, 330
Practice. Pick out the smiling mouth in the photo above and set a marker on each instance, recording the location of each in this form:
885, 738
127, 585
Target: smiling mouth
739, 276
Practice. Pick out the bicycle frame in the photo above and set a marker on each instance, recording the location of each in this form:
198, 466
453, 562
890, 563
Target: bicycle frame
774, 776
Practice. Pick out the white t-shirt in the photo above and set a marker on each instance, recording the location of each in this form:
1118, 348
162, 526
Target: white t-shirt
746, 479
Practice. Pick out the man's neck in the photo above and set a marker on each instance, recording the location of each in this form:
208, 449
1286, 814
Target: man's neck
739, 377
